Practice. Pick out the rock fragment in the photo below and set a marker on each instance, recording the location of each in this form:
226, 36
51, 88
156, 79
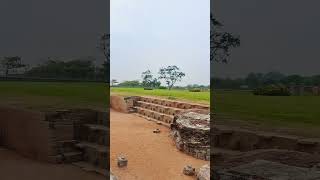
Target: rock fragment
188, 170
204, 173
156, 131
122, 161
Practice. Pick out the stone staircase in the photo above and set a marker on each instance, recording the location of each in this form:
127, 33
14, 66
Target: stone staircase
235, 148
159, 110
80, 137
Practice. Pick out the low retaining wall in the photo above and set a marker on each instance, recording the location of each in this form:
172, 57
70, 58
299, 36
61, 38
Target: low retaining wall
26, 132
118, 103
243, 140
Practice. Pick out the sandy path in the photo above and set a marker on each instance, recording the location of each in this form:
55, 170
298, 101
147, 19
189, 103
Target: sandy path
16, 167
150, 156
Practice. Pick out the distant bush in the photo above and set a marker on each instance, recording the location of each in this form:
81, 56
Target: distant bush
195, 90
272, 90
148, 88
134, 83
162, 87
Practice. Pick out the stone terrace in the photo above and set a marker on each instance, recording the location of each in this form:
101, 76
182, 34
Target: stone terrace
159, 110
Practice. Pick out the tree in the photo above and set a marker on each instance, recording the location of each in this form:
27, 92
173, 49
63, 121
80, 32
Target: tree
149, 81
221, 42
147, 78
104, 47
156, 83
10, 63
114, 82
171, 75
80, 68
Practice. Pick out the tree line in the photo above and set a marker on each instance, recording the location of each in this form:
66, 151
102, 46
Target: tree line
78, 68
170, 74
256, 80
82, 68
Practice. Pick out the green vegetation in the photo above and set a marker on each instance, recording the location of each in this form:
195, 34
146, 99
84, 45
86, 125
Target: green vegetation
255, 80
285, 111
272, 90
200, 97
51, 95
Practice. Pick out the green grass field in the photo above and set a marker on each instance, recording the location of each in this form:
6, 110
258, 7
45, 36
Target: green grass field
276, 111
199, 97
53, 95
295, 113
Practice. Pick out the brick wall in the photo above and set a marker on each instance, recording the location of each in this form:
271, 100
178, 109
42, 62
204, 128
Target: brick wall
25, 132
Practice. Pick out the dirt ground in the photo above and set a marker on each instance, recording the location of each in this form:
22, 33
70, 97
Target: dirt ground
16, 167
150, 156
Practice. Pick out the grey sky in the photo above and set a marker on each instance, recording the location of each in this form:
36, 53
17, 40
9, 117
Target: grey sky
37, 29
150, 34
275, 36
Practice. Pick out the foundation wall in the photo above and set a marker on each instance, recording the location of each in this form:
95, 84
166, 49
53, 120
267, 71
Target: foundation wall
25, 132
118, 103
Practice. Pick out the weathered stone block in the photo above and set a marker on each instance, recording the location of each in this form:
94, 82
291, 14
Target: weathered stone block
189, 170
122, 161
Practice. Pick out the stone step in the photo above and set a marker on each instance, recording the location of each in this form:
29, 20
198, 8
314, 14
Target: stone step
62, 132
159, 108
154, 120
175, 104
71, 157
91, 168
155, 115
66, 146
93, 133
224, 152
55, 158
245, 140
94, 154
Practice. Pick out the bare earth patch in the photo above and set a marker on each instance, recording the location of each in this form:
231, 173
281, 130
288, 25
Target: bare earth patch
14, 167
150, 155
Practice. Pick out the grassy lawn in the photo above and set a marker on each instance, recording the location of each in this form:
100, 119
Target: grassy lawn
281, 111
199, 97
52, 95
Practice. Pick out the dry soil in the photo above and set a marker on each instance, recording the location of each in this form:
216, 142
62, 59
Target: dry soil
151, 156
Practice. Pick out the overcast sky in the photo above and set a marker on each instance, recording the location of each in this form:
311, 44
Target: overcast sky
276, 35
150, 34
37, 29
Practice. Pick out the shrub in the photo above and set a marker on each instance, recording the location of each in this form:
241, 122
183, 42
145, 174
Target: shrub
272, 90
195, 90
162, 87
148, 88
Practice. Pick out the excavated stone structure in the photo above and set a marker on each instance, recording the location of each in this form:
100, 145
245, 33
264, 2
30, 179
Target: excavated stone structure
78, 136
190, 131
245, 154
155, 109
189, 122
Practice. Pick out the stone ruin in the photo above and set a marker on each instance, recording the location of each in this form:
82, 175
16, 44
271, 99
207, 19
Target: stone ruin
189, 122
204, 172
75, 136
250, 155
190, 131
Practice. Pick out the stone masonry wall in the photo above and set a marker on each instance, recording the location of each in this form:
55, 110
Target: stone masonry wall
26, 132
